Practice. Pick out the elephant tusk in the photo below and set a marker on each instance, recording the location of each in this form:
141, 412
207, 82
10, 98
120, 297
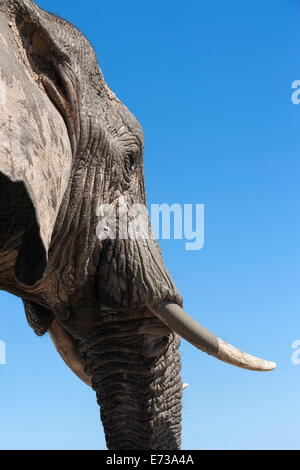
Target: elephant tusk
181, 323
63, 342
184, 386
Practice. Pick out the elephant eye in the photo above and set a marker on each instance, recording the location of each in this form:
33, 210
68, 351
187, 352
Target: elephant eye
132, 161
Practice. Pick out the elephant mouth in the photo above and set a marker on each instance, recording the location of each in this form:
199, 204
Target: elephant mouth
176, 320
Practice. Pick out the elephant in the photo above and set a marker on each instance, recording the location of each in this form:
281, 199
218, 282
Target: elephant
68, 148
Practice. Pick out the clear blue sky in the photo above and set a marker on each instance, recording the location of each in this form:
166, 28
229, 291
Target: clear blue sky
210, 82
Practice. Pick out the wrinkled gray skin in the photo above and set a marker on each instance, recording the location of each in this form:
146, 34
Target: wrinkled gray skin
67, 145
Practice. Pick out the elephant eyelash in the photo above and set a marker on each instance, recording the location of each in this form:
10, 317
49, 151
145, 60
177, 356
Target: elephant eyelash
131, 161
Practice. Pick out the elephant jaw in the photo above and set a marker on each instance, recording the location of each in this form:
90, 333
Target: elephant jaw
181, 323
65, 346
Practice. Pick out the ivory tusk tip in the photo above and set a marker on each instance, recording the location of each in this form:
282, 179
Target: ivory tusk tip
270, 365
232, 355
184, 386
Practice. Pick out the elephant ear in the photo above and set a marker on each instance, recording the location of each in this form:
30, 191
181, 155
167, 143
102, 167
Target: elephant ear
35, 146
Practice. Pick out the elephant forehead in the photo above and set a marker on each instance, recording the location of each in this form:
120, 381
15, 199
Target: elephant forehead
120, 118
74, 51
84, 61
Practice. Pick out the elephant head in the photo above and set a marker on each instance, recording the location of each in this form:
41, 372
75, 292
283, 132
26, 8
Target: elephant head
68, 148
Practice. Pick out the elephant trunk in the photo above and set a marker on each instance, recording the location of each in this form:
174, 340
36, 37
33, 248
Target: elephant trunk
135, 369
